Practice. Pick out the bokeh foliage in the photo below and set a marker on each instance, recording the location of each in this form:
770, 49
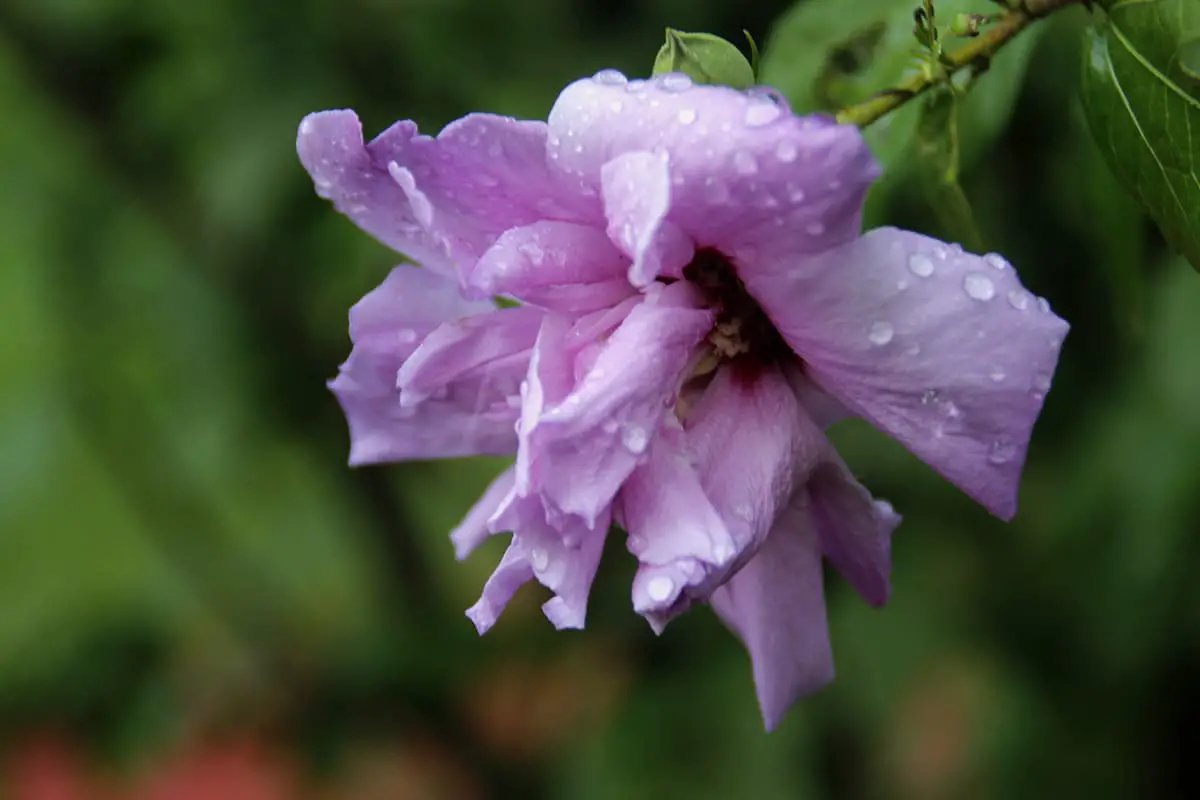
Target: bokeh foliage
183, 554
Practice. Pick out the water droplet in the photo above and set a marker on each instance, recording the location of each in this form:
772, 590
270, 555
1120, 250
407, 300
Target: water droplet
406, 336
995, 261
744, 163
786, 151
1018, 299
539, 559
979, 287
609, 77
1041, 382
1001, 451
815, 228
610, 427
902, 284
930, 397
997, 374
881, 333
634, 438
920, 265
796, 194
759, 114
686, 116
660, 588
635, 544
744, 512
675, 82
914, 350
1043, 305
517, 425
616, 106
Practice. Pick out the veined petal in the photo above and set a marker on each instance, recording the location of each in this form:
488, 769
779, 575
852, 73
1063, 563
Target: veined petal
599, 432
465, 346
637, 195
943, 350
776, 606
471, 416
747, 176
559, 265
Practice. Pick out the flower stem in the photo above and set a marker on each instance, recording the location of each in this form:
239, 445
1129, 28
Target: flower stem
978, 51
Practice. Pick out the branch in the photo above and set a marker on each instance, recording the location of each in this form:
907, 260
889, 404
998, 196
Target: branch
980, 50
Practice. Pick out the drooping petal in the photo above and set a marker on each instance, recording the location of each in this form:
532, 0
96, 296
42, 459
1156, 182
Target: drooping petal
943, 350
562, 556
747, 176
666, 512
598, 433
465, 346
776, 606
511, 574
750, 448
473, 530
637, 195
558, 265
471, 417
853, 529
355, 177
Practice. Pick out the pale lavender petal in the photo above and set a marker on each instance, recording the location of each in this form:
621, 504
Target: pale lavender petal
776, 606
747, 176
558, 265
465, 347
666, 512
943, 350
754, 448
511, 574
473, 530
821, 407
597, 434
355, 177
854, 529
637, 196
470, 417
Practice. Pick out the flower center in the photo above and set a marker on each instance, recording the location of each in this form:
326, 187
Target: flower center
743, 332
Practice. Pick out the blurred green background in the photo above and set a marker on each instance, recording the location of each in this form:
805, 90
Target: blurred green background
199, 600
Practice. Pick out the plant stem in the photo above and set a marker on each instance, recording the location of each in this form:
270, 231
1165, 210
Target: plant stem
978, 50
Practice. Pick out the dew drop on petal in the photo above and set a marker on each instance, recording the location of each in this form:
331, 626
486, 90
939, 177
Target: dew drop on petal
610, 77
1041, 382
675, 82
686, 116
406, 336
1001, 451
635, 544
881, 333
930, 397
920, 265
610, 427
995, 261
745, 163
743, 512
815, 228
1018, 299
914, 350
786, 151
539, 559
759, 114
979, 286
616, 106
634, 438
660, 588
997, 374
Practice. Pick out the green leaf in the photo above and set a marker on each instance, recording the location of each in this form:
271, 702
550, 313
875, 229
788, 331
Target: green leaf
1142, 100
938, 155
705, 58
823, 55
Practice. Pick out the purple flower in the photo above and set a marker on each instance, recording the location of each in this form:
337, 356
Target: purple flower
697, 305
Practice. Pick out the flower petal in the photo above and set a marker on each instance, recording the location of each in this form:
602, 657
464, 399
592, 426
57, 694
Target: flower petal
597, 434
559, 265
637, 195
473, 415
467, 346
776, 606
473, 530
943, 350
511, 574
354, 176
854, 530
747, 176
